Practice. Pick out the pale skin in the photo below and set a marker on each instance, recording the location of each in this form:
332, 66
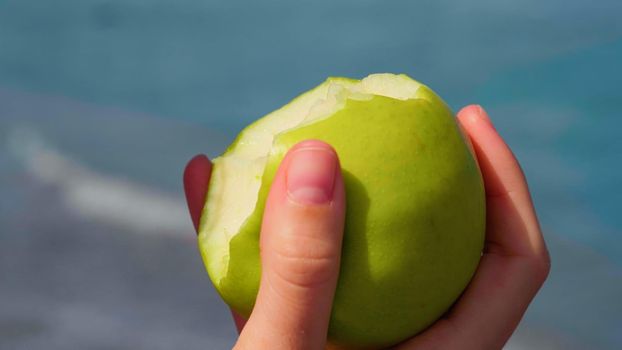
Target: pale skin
300, 271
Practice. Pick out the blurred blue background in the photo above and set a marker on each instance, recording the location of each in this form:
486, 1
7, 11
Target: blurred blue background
103, 102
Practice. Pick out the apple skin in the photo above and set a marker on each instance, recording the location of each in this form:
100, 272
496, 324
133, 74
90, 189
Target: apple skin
415, 218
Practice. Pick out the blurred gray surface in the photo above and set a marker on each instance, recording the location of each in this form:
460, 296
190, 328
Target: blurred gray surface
68, 283
94, 260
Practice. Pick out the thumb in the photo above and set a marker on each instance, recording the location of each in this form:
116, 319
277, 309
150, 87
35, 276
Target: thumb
300, 252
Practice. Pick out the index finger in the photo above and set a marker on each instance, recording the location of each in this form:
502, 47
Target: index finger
512, 224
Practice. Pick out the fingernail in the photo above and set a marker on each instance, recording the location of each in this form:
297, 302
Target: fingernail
484, 116
311, 175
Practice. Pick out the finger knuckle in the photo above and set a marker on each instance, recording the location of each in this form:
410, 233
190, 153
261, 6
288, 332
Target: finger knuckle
539, 267
306, 262
544, 266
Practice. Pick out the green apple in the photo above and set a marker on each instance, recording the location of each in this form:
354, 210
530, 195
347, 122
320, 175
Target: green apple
415, 217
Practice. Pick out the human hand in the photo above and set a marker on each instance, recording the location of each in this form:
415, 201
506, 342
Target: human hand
513, 267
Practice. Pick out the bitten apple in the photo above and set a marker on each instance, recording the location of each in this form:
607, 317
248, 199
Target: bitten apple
415, 216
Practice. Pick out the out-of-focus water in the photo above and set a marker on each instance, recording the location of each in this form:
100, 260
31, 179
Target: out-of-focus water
114, 96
